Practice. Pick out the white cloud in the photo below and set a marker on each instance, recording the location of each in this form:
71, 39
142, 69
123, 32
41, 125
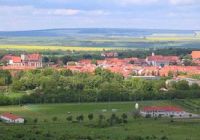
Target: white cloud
136, 2
30, 10
150, 2
56, 12
182, 2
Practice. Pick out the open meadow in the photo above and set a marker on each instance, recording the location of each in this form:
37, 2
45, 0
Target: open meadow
49, 121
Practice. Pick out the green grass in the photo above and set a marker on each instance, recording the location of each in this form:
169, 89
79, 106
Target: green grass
178, 130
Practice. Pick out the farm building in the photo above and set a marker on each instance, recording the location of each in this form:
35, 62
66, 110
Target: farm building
11, 118
165, 111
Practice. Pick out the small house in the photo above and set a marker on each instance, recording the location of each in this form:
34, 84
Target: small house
11, 118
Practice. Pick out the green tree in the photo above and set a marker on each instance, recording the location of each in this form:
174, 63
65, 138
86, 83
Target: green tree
69, 118
182, 85
124, 117
35, 120
54, 119
91, 116
80, 118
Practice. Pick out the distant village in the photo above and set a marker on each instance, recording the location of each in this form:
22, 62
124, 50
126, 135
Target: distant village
151, 67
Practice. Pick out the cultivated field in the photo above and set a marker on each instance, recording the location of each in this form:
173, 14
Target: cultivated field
51, 48
97, 43
135, 129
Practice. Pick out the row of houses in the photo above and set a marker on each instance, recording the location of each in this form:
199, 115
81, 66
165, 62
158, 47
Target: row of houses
134, 67
154, 65
23, 61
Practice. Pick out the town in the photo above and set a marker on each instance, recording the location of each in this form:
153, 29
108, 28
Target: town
152, 67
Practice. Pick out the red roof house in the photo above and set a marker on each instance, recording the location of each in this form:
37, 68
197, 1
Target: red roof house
166, 111
11, 118
195, 54
162, 109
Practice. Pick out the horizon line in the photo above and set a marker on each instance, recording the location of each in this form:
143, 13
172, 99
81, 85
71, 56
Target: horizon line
42, 29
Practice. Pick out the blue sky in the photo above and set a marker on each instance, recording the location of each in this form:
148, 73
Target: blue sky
45, 14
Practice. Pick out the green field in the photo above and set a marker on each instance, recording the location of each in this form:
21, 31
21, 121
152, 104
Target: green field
61, 129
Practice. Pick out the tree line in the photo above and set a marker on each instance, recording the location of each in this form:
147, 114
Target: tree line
59, 86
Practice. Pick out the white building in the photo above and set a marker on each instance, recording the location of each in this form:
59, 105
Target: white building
166, 111
11, 118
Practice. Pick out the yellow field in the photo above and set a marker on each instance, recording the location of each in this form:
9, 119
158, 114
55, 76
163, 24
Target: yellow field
150, 39
175, 38
64, 48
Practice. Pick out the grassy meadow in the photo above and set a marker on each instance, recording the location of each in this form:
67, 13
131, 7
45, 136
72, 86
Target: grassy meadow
135, 129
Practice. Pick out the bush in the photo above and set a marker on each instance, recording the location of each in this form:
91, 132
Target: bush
148, 116
37, 132
69, 118
19, 135
134, 138
90, 116
164, 138
48, 134
35, 120
54, 119
80, 118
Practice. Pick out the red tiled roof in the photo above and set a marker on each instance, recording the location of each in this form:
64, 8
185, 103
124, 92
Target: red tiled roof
33, 57
7, 57
161, 58
16, 59
10, 67
162, 108
10, 116
195, 54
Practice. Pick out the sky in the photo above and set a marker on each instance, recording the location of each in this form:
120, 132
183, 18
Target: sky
144, 14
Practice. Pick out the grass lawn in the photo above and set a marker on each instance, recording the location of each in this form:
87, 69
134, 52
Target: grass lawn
61, 129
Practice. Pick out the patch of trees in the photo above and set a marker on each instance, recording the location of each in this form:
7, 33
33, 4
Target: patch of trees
182, 52
59, 86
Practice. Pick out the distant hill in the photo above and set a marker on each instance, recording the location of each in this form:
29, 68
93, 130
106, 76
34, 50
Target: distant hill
103, 37
91, 32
